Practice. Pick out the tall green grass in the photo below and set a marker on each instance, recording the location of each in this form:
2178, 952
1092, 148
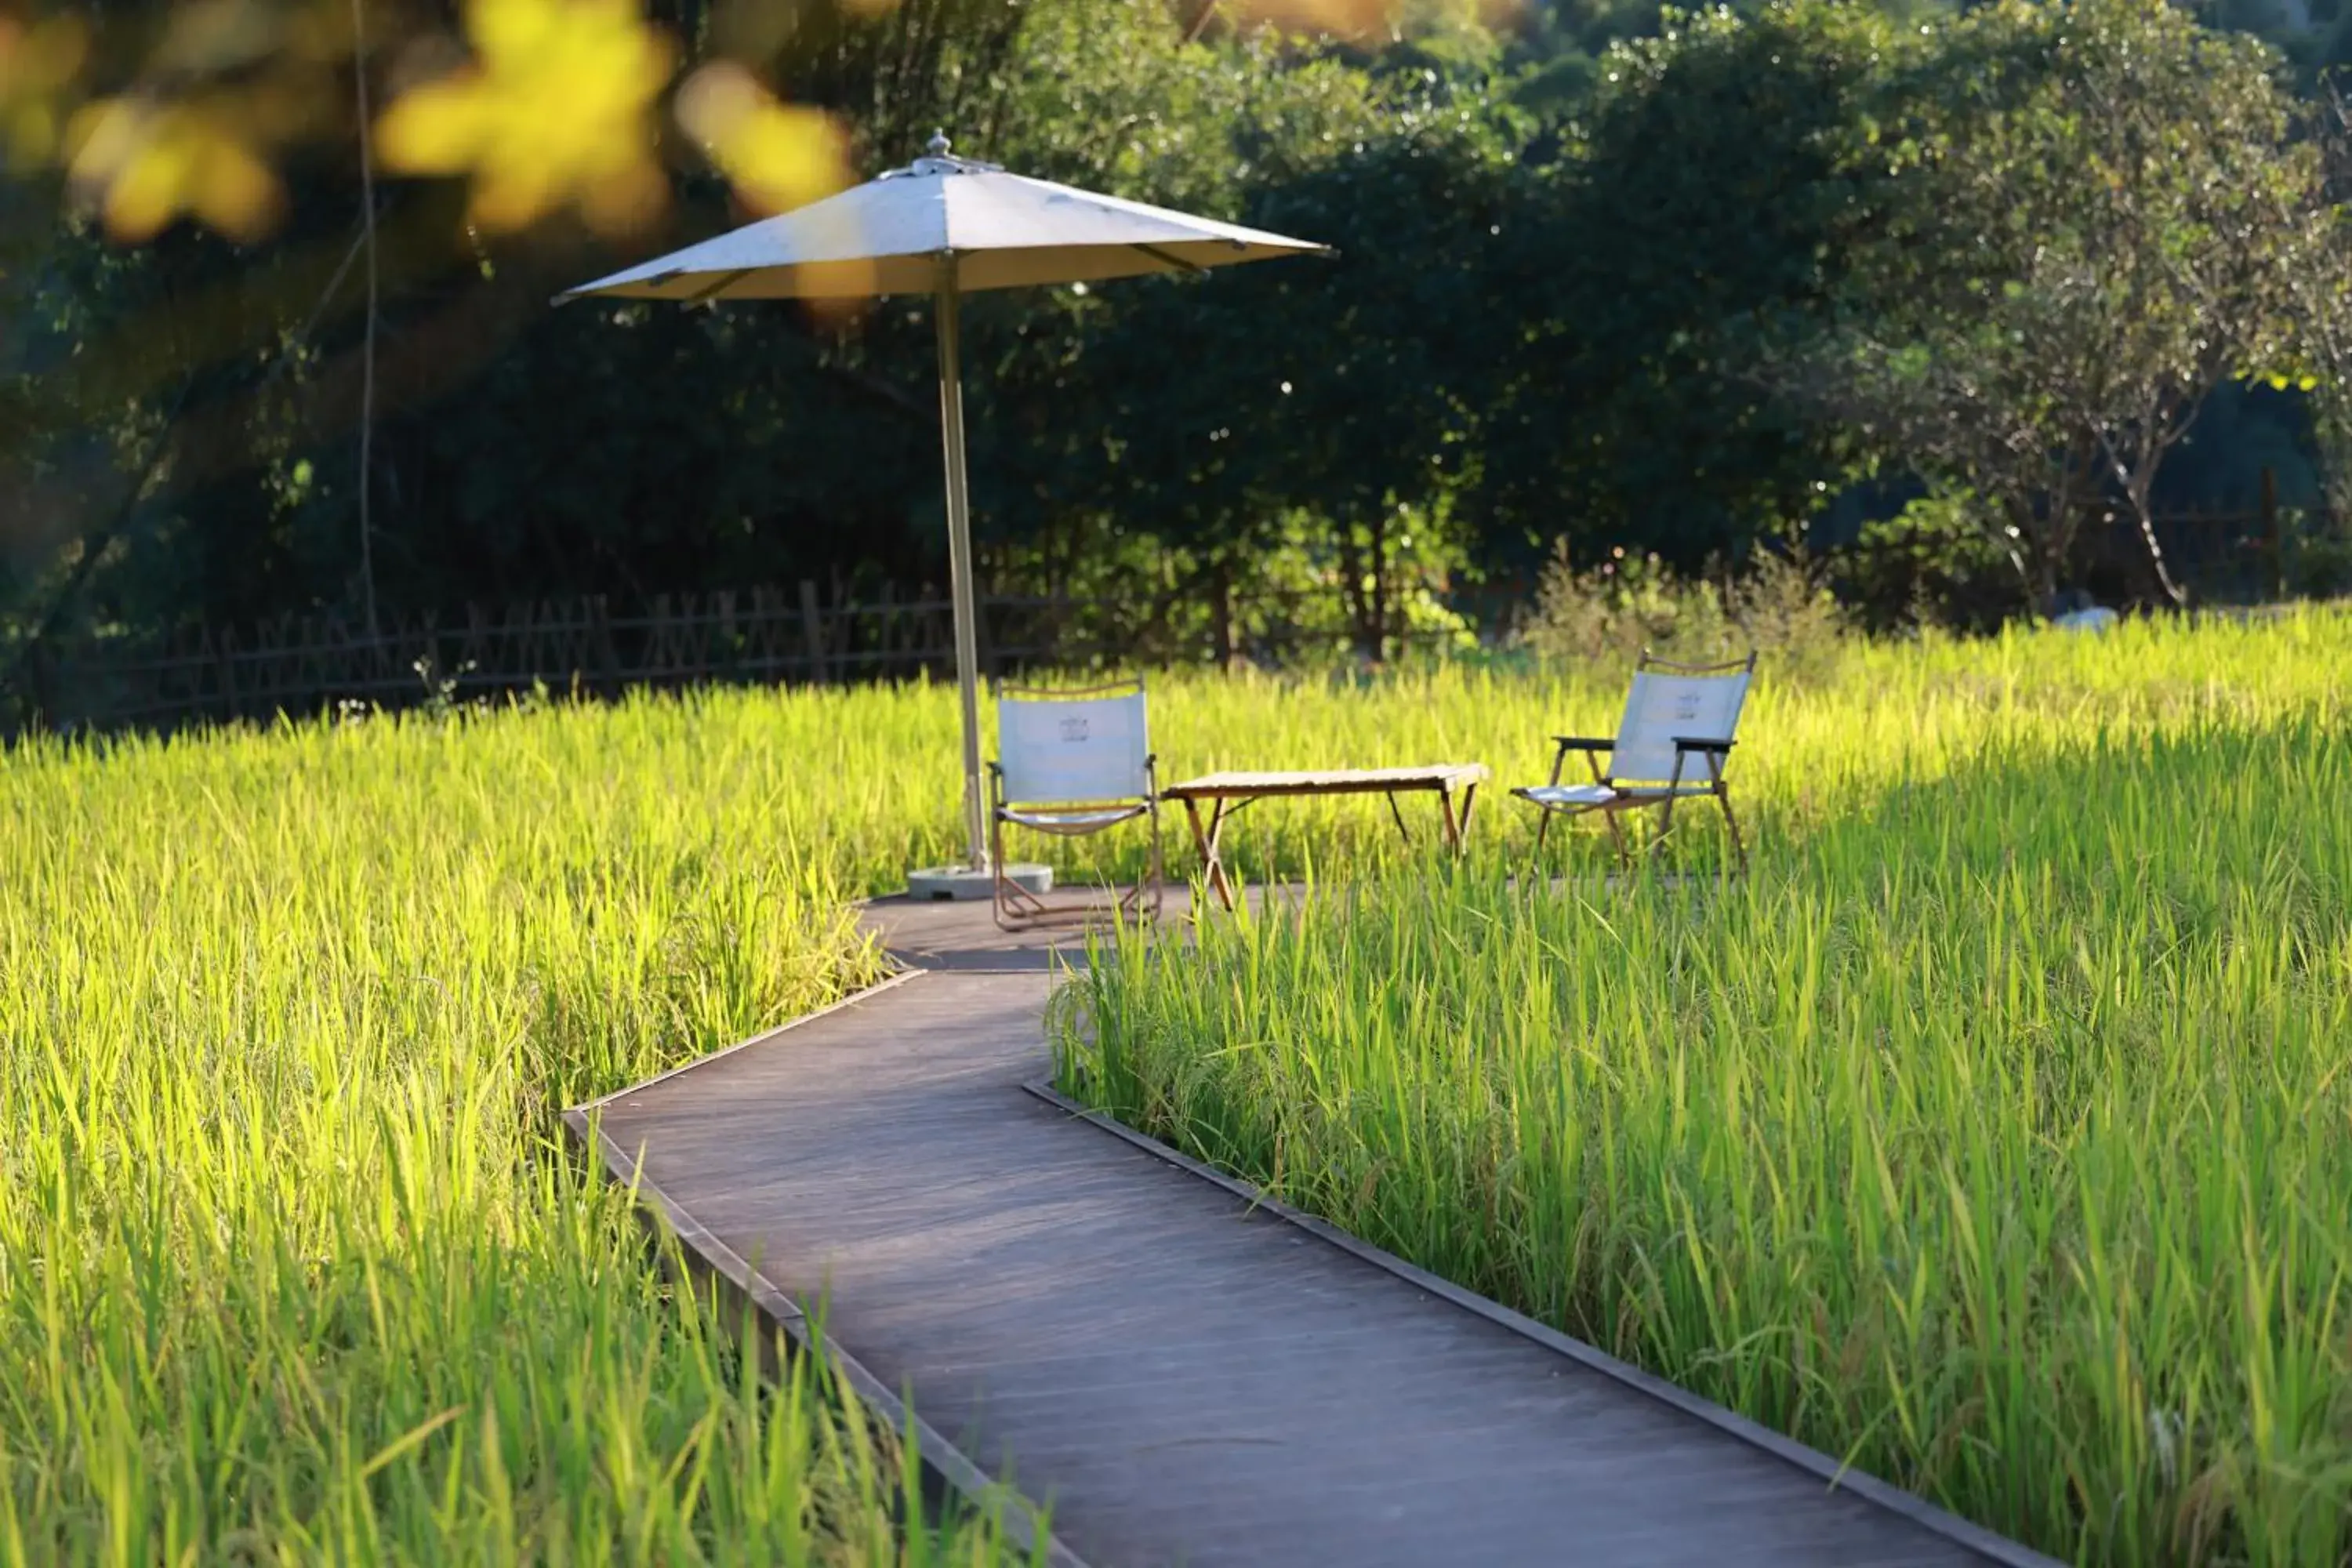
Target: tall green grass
294, 1259
1996, 1133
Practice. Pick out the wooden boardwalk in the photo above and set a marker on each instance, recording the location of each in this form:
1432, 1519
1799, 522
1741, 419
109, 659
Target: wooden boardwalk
1185, 1377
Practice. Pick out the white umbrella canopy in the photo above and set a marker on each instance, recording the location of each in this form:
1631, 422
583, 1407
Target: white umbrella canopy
946, 226
888, 237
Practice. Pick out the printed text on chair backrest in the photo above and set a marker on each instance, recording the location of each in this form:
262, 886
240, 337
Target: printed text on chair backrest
1662, 706
1080, 749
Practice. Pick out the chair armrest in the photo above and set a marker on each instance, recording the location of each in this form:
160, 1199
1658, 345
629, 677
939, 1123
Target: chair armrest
1584, 743
1687, 743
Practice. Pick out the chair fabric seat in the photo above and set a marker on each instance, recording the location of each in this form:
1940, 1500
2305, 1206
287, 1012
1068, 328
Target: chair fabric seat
1045, 820
1561, 797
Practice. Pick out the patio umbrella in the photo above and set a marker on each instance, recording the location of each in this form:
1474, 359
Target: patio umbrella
945, 227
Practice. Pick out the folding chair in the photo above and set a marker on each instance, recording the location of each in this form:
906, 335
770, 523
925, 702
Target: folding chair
1678, 719
1073, 763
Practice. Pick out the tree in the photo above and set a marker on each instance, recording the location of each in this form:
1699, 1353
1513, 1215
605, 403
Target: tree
1706, 220
1343, 393
2098, 208
521, 452
2320, 285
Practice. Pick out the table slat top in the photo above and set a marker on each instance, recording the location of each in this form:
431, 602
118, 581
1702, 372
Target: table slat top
1330, 781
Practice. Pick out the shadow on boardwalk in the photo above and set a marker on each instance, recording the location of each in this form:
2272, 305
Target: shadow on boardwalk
1184, 1373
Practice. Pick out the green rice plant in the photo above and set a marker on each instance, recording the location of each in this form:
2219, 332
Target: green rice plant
295, 1261
1995, 1135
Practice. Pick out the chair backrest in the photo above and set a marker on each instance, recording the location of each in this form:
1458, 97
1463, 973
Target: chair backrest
1057, 748
1670, 701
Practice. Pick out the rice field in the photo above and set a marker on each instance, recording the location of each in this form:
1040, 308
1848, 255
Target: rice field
296, 1263
1995, 1135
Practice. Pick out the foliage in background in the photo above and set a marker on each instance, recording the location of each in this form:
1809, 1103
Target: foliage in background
2102, 210
1358, 422
1933, 563
1554, 314
1778, 608
1709, 218
2317, 550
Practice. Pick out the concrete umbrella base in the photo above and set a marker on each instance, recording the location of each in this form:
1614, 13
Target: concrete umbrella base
963, 882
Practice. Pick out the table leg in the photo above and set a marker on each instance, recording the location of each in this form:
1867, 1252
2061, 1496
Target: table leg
1458, 829
1201, 841
1398, 812
1224, 811
1212, 862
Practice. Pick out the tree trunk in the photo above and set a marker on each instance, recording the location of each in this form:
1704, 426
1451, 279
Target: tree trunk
2147, 524
2035, 553
1221, 613
1361, 629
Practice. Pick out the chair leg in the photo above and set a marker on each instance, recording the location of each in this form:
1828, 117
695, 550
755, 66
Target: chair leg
1738, 849
1017, 909
999, 905
1617, 833
1159, 864
1142, 900
1665, 831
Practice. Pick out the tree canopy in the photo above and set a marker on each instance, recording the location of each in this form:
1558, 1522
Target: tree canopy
1625, 277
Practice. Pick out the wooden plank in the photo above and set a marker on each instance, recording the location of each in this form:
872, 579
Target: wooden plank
1327, 781
1181, 1374
944, 1464
1994, 1547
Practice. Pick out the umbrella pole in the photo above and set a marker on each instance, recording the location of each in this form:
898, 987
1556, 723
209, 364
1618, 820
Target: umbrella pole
967, 612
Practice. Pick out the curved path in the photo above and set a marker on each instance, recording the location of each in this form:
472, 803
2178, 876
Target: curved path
1184, 1374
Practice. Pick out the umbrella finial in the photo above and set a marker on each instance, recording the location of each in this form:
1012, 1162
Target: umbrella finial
939, 159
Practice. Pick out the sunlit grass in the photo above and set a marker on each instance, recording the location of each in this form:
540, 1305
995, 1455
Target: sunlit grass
1997, 1133
295, 1261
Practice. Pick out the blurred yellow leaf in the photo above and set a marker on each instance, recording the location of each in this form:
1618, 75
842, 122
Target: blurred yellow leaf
38, 64
777, 157
1339, 18
210, 35
147, 162
554, 110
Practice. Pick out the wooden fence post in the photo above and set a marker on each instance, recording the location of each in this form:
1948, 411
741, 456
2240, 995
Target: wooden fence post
2272, 533
1221, 616
40, 697
811, 632
608, 658
225, 653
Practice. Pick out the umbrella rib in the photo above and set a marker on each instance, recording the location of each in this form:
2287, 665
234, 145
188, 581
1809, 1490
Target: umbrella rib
725, 283
1169, 258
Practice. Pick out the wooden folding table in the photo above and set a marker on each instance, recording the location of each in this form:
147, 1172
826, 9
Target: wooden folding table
1455, 784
